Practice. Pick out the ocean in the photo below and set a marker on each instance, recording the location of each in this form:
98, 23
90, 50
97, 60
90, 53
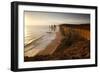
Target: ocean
33, 32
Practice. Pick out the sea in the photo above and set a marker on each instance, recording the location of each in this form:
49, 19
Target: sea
33, 32
37, 38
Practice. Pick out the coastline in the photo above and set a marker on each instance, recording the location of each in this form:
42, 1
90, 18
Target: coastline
76, 46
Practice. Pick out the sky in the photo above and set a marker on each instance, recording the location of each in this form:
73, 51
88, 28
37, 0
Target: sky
51, 18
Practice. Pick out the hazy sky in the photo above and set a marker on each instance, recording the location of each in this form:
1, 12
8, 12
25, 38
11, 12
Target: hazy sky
49, 18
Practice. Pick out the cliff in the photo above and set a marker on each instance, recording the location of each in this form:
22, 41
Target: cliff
72, 42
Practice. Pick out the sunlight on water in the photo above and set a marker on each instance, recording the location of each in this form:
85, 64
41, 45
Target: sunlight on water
34, 32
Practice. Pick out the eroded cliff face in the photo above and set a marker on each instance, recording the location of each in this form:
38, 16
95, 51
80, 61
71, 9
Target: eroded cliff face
71, 42
76, 29
75, 42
